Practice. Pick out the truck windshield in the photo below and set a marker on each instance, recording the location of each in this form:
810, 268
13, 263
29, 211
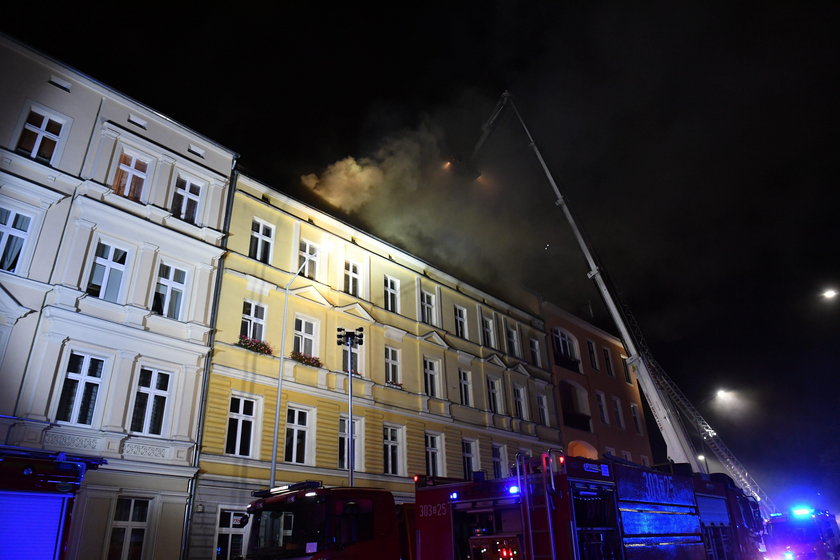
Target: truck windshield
288, 529
789, 532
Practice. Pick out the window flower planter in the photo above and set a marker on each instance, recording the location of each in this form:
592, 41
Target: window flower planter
255, 345
306, 359
393, 384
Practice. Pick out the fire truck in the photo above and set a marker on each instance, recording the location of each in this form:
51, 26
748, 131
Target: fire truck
802, 533
553, 507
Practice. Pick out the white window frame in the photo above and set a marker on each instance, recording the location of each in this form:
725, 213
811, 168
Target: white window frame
350, 355
41, 133
628, 377
352, 278
610, 451
82, 380
110, 266
434, 454
170, 286
393, 449
229, 531
603, 411
260, 243
427, 307
253, 321
131, 172
465, 387
432, 377
495, 396
512, 341
644, 460
520, 402
152, 392
635, 414
27, 247
308, 259
542, 410
593, 355
241, 418
392, 365
469, 451
296, 428
391, 293
186, 195
498, 454
565, 343
358, 442
130, 525
488, 331
626, 455
536, 352
618, 412
461, 325
302, 338
608, 365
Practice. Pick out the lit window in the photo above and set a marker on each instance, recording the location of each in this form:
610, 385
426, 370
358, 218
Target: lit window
392, 294
128, 529
262, 238
240, 432
297, 434
352, 278
14, 231
461, 322
253, 320
308, 259
107, 273
169, 293
41, 135
433, 455
230, 540
186, 199
131, 176
80, 390
465, 384
392, 365
150, 401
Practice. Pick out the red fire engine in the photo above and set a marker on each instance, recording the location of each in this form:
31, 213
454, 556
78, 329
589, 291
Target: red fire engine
803, 533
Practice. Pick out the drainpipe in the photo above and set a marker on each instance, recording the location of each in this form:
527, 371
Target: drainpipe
193, 484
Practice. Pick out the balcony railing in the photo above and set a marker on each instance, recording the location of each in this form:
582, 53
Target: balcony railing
567, 362
577, 420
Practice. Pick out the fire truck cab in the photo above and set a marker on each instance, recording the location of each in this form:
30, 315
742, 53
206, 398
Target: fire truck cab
802, 533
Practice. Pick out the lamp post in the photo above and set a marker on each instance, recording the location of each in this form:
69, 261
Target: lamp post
272, 478
705, 462
351, 339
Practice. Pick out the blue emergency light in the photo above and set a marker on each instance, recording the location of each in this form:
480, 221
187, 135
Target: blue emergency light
513, 489
802, 511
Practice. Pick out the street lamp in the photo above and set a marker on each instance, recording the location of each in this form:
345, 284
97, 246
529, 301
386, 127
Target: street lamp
272, 478
705, 462
352, 339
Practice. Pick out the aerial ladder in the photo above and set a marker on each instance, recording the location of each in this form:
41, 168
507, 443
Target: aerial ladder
662, 394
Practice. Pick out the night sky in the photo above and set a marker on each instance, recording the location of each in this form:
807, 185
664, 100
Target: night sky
695, 145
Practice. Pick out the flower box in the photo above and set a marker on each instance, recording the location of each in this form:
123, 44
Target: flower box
255, 345
306, 359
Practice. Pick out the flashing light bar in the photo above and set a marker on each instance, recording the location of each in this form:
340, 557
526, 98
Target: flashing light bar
802, 511
453, 496
513, 489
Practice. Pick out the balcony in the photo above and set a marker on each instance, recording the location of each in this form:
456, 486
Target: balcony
567, 362
577, 420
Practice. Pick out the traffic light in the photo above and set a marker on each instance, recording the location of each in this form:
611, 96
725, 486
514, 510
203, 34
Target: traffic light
340, 337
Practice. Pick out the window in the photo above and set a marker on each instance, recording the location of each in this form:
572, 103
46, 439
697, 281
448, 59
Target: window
512, 339
132, 172
83, 380
433, 455
430, 377
392, 294
304, 337
107, 273
391, 449
169, 293
644, 460
392, 365
593, 356
536, 355
493, 395
610, 451
308, 259
230, 541
344, 443
128, 529
602, 407
240, 432
608, 362
14, 230
150, 401
461, 322
487, 334
468, 449
637, 418
262, 237
253, 320
427, 308
619, 416
520, 403
627, 376
564, 345
42, 134
499, 455
626, 455
542, 409
352, 278
297, 433
350, 359
186, 199
465, 386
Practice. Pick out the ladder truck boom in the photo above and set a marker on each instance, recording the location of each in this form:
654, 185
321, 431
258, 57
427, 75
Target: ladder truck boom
661, 393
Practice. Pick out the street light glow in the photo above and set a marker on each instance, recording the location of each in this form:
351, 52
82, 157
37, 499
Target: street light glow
830, 294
